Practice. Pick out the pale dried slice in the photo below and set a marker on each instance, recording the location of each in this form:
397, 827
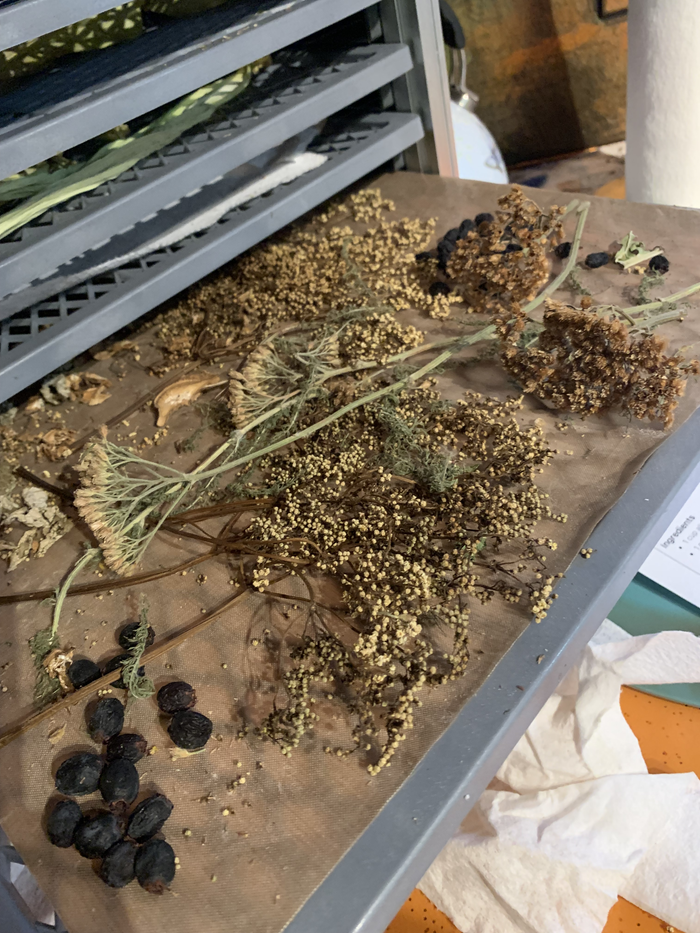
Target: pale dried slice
95, 395
118, 347
184, 392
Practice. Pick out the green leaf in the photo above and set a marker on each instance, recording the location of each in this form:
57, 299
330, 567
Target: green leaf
633, 251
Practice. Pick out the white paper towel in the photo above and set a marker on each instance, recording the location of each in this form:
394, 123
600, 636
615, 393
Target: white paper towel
574, 818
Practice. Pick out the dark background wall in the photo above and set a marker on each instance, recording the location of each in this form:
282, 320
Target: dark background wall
551, 74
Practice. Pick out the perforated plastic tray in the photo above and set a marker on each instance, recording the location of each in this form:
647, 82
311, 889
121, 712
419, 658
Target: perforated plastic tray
36, 340
21, 20
294, 93
86, 95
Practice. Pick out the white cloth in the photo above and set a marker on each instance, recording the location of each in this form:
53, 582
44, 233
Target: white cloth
574, 818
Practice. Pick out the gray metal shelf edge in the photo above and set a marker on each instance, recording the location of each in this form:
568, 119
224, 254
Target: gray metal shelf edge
368, 144
260, 121
107, 103
370, 883
27, 19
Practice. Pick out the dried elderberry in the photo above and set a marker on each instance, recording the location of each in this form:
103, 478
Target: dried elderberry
176, 696
118, 866
129, 745
190, 730
484, 218
79, 774
83, 672
596, 260
107, 719
452, 235
63, 822
439, 288
466, 227
659, 264
96, 835
148, 817
426, 255
563, 251
155, 866
119, 782
128, 634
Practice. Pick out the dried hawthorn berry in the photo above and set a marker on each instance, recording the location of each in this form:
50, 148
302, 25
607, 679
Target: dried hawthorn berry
596, 260
484, 218
63, 822
118, 866
466, 227
83, 672
79, 774
155, 866
176, 696
129, 745
128, 633
96, 835
115, 664
659, 264
439, 288
148, 817
119, 782
563, 251
190, 730
107, 719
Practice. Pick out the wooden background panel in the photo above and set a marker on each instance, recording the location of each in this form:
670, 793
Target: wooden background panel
551, 74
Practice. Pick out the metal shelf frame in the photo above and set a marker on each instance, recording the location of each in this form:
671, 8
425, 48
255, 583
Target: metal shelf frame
172, 61
262, 120
22, 20
45, 336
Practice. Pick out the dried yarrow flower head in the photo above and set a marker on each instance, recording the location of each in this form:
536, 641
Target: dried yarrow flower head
588, 362
409, 504
506, 257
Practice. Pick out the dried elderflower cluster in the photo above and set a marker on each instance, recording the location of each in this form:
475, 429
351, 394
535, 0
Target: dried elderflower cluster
363, 207
410, 549
377, 337
507, 257
588, 363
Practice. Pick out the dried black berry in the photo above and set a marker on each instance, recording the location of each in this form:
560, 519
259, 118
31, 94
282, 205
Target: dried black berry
563, 251
426, 255
444, 251
176, 696
83, 672
484, 218
659, 264
96, 835
190, 730
118, 866
128, 633
466, 227
106, 720
129, 745
79, 774
514, 248
439, 288
148, 817
115, 664
63, 822
452, 235
155, 866
119, 781
596, 260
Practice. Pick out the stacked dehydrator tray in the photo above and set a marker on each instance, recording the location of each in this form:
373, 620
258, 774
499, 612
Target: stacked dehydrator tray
368, 77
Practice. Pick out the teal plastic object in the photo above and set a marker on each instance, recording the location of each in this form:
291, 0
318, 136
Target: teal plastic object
646, 608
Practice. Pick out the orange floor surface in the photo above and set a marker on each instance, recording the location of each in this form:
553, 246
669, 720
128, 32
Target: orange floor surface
669, 736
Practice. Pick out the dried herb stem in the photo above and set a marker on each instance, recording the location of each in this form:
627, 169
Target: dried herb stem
582, 211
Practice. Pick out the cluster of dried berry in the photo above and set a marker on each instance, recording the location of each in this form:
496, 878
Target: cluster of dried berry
188, 729
126, 842
84, 671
